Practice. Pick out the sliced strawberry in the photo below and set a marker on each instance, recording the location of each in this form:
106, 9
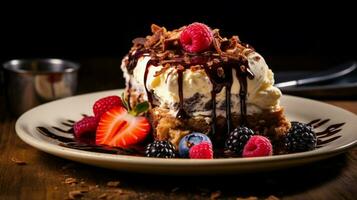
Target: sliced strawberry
119, 128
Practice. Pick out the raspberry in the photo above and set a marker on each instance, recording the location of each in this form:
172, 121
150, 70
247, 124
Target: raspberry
201, 151
196, 38
104, 104
85, 126
257, 146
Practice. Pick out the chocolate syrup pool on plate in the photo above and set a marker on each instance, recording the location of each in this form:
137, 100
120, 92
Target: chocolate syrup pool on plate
85, 143
67, 139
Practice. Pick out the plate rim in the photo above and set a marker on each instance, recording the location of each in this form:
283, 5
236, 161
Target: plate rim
51, 148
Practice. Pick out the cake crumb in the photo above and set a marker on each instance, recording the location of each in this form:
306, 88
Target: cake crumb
215, 195
70, 181
247, 198
113, 183
18, 161
84, 190
103, 196
272, 197
119, 191
75, 194
91, 187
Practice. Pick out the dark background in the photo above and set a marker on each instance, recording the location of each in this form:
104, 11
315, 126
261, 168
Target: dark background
290, 35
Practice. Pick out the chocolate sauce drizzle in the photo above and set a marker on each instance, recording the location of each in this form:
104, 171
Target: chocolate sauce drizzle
181, 114
132, 62
129, 93
220, 74
150, 63
46, 132
68, 140
328, 132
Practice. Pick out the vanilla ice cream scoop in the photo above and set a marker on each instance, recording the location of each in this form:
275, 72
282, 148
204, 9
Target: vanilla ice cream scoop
262, 95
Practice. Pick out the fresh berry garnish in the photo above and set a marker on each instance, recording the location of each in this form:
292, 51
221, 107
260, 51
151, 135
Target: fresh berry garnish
201, 151
189, 141
161, 149
237, 139
104, 104
301, 137
85, 128
196, 37
121, 128
257, 146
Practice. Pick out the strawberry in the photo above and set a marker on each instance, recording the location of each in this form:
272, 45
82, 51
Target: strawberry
119, 127
104, 104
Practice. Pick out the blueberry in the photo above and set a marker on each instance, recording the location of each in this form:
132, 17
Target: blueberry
190, 140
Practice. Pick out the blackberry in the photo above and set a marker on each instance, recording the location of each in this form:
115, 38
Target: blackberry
237, 139
301, 137
161, 149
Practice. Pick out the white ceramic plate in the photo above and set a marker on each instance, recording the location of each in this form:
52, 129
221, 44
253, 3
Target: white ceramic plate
296, 108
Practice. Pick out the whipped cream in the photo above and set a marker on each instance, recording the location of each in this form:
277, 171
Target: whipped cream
262, 95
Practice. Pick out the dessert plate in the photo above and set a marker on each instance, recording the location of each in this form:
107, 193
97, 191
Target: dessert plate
337, 129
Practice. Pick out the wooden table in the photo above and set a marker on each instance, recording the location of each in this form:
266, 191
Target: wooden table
44, 176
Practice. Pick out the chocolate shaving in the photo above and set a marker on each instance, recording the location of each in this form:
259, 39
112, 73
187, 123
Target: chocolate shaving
162, 70
70, 181
152, 40
172, 40
113, 183
215, 195
155, 28
103, 196
139, 40
17, 161
272, 197
164, 46
75, 194
176, 60
247, 198
217, 45
225, 44
164, 55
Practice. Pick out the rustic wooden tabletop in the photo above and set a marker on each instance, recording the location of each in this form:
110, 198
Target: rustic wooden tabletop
26, 173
